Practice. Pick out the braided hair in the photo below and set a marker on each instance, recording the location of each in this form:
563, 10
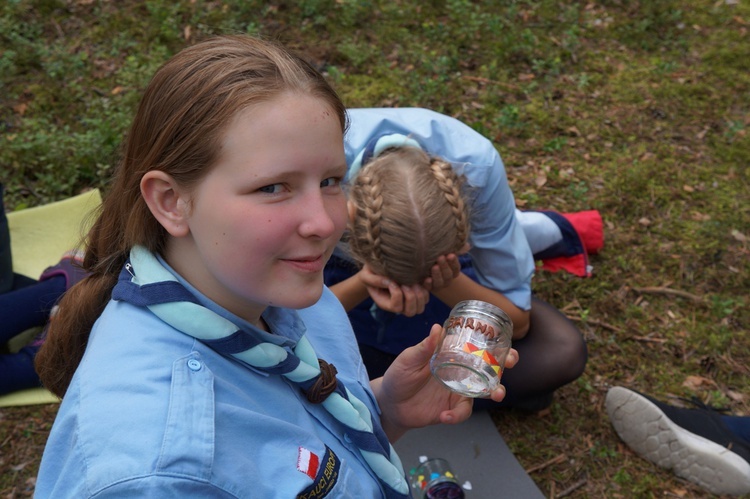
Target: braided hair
408, 210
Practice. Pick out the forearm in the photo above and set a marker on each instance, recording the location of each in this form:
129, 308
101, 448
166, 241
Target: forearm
465, 288
350, 292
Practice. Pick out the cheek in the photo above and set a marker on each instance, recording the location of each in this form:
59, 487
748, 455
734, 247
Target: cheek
340, 217
243, 232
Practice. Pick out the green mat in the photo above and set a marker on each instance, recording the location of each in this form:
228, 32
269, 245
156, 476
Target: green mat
38, 238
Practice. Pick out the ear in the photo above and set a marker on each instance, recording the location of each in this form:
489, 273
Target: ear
167, 202
351, 208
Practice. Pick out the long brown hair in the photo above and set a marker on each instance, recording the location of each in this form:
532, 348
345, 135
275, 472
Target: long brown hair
409, 210
177, 129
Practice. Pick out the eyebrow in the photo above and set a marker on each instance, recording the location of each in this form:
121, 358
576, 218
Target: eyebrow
338, 170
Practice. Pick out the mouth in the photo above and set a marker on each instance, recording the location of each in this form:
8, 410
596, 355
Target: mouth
310, 264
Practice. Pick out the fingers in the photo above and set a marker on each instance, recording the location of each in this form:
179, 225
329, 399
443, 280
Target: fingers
422, 352
498, 394
415, 298
460, 412
388, 298
371, 279
388, 295
446, 268
454, 265
436, 332
512, 359
440, 272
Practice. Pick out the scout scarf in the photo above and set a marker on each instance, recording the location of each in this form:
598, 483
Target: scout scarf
145, 282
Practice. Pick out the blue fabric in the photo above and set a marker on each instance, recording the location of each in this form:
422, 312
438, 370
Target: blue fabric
569, 245
17, 370
25, 306
153, 412
739, 425
161, 292
28, 304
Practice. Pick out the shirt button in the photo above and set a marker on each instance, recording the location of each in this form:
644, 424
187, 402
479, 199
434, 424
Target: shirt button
194, 365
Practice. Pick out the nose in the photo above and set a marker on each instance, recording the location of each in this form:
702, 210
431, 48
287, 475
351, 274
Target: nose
322, 216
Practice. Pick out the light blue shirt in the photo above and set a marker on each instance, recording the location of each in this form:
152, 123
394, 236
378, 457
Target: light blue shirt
500, 253
152, 412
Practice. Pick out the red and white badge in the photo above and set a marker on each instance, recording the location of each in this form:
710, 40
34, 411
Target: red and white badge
308, 462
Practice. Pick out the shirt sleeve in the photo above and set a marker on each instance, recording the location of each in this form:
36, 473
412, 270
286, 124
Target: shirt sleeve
499, 250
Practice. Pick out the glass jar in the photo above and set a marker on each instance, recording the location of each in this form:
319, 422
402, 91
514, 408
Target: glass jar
470, 357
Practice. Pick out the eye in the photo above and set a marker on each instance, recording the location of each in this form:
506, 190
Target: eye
331, 182
271, 189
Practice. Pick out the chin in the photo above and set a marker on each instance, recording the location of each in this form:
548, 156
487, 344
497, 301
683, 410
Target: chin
300, 302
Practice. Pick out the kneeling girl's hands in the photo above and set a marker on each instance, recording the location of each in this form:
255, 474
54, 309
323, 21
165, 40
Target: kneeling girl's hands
443, 272
405, 300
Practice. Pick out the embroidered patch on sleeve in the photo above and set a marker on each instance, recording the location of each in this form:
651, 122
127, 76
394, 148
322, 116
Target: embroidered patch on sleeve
324, 472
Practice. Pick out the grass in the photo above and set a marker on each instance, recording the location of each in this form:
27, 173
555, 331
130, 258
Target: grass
638, 109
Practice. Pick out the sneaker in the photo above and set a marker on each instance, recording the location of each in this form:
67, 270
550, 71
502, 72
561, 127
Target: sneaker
68, 267
693, 443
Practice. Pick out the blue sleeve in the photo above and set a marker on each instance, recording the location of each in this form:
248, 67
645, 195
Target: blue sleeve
500, 253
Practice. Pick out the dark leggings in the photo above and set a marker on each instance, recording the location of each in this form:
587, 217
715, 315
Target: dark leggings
17, 370
552, 354
28, 304
25, 306
739, 425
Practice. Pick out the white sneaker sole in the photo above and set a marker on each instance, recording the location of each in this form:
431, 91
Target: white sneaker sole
653, 436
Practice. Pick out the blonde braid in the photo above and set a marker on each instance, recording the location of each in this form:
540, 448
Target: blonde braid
370, 202
450, 184
402, 222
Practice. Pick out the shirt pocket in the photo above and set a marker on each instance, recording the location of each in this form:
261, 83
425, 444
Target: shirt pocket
188, 444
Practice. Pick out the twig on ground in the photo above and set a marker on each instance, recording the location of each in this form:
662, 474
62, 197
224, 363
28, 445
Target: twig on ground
663, 290
569, 490
554, 460
595, 322
647, 339
479, 79
736, 366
